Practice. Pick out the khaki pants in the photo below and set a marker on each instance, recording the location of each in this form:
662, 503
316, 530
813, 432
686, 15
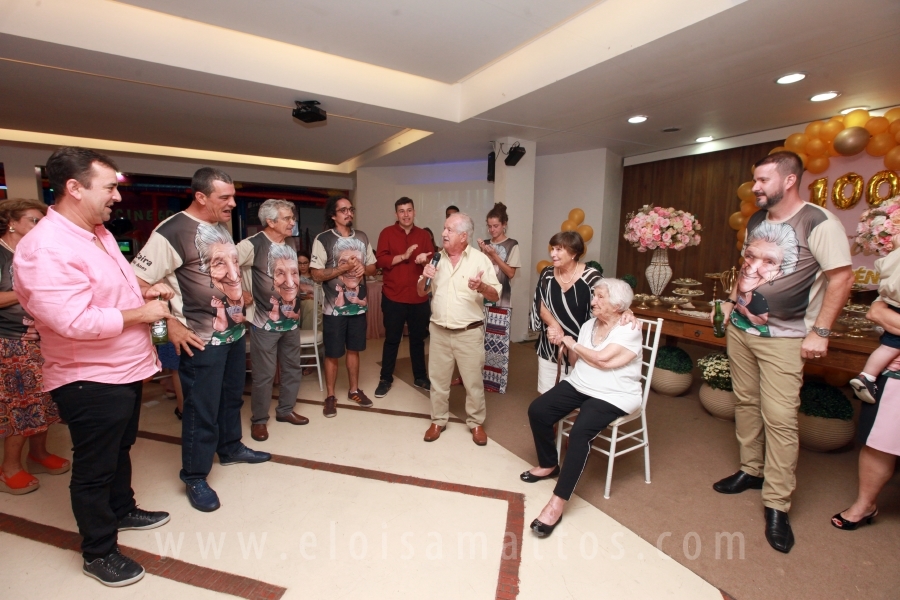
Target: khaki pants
466, 350
766, 374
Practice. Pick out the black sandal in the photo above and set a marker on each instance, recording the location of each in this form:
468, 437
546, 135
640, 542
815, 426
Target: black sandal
841, 523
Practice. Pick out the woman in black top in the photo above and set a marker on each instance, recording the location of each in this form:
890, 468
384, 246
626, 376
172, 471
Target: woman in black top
562, 303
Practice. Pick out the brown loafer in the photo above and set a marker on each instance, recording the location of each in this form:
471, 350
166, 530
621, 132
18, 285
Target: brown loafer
434, 432
479, 435
260, 432
292, 418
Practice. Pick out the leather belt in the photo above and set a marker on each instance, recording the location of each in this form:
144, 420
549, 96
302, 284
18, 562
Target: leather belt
474, 325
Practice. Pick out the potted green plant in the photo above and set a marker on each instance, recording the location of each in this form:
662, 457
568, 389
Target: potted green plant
825, 419
716, 394
672, 371
630, 280
596, 265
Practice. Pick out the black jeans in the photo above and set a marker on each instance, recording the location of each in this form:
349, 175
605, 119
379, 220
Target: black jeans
213, 384
103, 422
396, 314
594, 417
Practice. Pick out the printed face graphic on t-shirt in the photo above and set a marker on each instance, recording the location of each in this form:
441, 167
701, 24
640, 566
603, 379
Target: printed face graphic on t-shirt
286, 278
225, 271
762, 264
350, 281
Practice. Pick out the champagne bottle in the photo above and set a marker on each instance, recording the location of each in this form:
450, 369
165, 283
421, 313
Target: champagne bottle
159, 331
719, 321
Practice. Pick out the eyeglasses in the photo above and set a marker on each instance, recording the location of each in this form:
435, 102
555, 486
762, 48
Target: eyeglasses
302, 263
347, 210
288, 219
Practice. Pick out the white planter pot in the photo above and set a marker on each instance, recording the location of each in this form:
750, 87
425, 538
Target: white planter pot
822, 435
669, 383
718, 403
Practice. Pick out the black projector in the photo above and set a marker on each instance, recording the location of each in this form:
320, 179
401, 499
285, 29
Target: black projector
308, 111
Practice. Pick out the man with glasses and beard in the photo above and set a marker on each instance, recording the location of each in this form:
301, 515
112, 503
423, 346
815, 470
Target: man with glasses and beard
341, 259
795, 280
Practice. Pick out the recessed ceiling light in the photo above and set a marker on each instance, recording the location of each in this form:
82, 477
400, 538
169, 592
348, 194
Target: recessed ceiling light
637, 119
705, 138
825, 96
791, 78
850, 110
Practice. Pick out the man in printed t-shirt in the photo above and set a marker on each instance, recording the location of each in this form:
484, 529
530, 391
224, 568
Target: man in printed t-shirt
341, 260
271, 274
194, 253
795, 278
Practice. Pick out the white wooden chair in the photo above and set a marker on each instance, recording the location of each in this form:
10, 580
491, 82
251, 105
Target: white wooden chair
311, 339
650, 331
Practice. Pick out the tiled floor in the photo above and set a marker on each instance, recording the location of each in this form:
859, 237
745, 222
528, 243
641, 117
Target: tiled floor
357, 506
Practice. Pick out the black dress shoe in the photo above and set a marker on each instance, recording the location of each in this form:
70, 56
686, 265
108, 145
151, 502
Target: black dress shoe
778, 530
529, 477
543, 530
737, 483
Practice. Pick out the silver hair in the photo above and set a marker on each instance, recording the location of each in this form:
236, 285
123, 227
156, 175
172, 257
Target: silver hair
268, 210
619, 292
466, 225
207, 235
280, 252
349, 243
783, 236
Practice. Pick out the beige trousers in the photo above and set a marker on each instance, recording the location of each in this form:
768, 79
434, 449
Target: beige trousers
766, 374
466, 350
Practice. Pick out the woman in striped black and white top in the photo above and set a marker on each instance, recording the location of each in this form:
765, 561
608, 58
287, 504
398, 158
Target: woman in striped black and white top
562, 303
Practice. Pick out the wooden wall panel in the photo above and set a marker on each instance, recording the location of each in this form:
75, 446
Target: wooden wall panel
705, 185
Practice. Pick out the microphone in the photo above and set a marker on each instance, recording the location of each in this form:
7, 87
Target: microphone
434, 262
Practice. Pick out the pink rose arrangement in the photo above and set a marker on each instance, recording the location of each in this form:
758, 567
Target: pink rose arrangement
655, 227
877, 226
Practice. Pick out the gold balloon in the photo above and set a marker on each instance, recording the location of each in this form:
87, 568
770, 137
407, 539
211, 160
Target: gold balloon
586, 232
543, 265
894, 128
856, 118
893, 114
830, 151
829, 130
812, 130
816, 147
777, 149
742, 234
796, 142
876, 125
837, 190
881, 144
888, 177
803, 158
567, 226
817, 165
851, 141
745, 192
576, 215
748, 208
739, 245
838, 118
737, 220
818, 191
892, 158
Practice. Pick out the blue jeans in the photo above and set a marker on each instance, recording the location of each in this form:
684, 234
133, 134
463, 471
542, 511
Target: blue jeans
213, 383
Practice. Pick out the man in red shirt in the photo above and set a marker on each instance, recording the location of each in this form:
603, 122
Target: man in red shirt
403, 249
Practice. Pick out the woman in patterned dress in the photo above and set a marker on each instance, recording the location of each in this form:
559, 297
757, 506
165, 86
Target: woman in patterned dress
562, 303
504, 254
26, 411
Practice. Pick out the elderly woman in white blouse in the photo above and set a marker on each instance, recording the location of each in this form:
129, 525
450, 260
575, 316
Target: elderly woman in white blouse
605, 384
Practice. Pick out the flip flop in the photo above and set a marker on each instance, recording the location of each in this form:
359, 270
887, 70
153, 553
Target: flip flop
18, 484
53, 464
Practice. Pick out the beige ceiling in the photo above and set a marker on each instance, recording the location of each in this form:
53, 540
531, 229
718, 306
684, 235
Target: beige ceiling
440, 40
469, 71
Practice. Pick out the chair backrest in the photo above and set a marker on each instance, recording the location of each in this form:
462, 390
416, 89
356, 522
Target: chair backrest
650, 333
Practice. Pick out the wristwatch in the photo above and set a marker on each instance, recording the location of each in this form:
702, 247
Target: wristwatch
729, 301
821, 331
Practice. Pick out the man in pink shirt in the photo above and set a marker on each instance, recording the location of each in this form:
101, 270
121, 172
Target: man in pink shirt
93, 321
